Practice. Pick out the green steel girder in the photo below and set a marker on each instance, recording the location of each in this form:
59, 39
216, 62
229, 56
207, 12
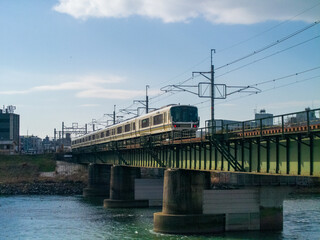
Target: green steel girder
292, 154
226, 153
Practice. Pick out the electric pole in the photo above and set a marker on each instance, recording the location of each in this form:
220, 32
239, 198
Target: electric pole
144, 102
114, 114
212, 89
147, 99
221, 92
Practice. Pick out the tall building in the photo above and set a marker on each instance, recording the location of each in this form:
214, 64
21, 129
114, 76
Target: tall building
9, 131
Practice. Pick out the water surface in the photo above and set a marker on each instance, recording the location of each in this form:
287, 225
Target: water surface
60, 217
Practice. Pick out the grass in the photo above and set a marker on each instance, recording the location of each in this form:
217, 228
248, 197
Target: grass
44, 162
24, 167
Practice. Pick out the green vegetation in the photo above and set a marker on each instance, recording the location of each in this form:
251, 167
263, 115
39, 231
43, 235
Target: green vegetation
25, 167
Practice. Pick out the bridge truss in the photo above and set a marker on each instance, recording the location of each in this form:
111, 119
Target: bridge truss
282, 145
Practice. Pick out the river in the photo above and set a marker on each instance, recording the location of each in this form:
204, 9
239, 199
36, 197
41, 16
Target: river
73, 217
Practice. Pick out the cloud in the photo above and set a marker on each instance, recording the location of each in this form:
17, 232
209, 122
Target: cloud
73, 83
215, 11
84, 82
113, 93
89, 86
109, 93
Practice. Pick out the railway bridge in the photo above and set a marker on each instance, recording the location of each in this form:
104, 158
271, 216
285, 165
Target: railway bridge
262, 158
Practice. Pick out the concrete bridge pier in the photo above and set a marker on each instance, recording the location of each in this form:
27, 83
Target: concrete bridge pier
182, 209
122, 189
98, 181
271, 207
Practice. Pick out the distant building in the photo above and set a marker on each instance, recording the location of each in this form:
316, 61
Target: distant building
31, 145
48, 145
230, 124
64, 144
9, 131
221, 125
266, 118
303, 117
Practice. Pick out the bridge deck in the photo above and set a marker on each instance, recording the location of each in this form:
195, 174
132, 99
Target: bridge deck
287, 148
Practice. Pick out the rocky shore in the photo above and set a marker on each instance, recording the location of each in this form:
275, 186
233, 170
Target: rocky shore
42, 188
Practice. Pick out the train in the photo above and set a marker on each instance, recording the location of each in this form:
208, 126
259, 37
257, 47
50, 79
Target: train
171, 118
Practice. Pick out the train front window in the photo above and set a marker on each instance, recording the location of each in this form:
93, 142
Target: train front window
184, 114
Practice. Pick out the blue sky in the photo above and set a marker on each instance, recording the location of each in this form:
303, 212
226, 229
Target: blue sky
73, 60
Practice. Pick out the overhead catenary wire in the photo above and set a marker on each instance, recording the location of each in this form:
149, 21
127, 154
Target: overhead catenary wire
269, 45
249, 55
163, 93
287, 76
244, 41
268, 56
257, 51
265, 48
269, 29
262, 91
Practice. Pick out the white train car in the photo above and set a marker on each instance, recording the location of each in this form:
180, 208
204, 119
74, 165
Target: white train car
167, 119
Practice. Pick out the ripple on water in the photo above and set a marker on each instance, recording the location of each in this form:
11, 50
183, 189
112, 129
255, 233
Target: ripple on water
60, 217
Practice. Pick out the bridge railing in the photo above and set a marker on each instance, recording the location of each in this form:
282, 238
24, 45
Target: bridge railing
304, 121
299, 122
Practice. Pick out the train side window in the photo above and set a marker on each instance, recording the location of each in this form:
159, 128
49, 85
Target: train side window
93, 137
107, 133
113, 131
145, 123
133, 126
158, 119
102, 135
89, 138
127, 128
119, 130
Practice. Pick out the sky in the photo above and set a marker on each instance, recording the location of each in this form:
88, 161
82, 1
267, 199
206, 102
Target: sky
72, 61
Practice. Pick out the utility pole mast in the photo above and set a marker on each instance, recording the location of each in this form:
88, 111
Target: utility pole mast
220, 93
114, 114
144, 102
62, 129
147, 99
212, 86
212, 89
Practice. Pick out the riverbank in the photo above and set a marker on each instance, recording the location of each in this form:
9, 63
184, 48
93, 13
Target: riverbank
42, 188
39, 175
